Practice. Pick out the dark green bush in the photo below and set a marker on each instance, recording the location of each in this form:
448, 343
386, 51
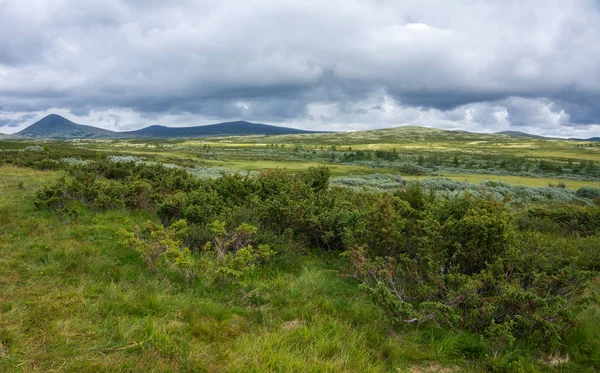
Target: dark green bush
588, 192
411, 169
562, 219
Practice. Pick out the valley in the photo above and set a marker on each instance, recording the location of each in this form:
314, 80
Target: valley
300, 252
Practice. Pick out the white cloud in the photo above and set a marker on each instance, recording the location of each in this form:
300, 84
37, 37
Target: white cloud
481, 65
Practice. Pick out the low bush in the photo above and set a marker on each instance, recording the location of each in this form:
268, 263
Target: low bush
228, 257
588, 192
562, 220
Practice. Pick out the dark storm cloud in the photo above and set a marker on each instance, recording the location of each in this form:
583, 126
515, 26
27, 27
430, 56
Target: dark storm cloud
583, 109
475, 65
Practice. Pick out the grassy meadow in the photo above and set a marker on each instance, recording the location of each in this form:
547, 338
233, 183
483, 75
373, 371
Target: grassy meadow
352, 279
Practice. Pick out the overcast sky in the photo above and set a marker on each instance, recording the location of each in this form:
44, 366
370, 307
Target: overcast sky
478, 65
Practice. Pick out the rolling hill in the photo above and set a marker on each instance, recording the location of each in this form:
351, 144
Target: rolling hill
59, 128
421, 136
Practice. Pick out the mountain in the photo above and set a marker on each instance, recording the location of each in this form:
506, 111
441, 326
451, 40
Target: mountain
590, 139
56, 127
240, 128
521, 134
530, 136
59, 128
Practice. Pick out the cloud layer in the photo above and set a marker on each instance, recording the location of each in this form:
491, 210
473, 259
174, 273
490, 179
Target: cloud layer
527, 65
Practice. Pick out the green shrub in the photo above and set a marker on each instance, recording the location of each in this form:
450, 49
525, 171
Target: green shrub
199, 206
410, 169
228, 257
562, 219
162, 248
471, 269
588, 192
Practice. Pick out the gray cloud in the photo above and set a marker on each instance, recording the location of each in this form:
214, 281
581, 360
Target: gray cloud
475, 65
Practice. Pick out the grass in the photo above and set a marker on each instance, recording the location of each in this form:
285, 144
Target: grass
72, 299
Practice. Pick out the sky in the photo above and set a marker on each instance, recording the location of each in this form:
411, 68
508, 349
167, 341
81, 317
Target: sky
475, 65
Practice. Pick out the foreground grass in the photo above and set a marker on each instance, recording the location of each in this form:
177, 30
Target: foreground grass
72, 299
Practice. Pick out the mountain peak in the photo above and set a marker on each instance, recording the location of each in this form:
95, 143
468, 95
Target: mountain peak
52, 120
54, 126
54, 116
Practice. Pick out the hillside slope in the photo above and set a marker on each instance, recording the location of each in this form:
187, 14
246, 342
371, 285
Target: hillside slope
404, 135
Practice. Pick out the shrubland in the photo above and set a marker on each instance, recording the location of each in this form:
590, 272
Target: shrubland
501, 191
514, 283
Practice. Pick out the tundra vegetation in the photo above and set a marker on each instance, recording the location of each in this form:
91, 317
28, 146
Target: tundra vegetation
328, 252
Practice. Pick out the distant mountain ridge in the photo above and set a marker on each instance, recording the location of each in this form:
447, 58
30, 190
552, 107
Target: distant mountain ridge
590, 139
238, 128
56, 127
521, 134
530, 136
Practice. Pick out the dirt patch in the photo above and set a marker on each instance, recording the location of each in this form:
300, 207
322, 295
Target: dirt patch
556, 359
431, 368
291, 325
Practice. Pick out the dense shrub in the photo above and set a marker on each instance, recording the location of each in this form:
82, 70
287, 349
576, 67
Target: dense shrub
410, 169
103, 185
198, 206
564, 220
588, 192
461, 258
530, 297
